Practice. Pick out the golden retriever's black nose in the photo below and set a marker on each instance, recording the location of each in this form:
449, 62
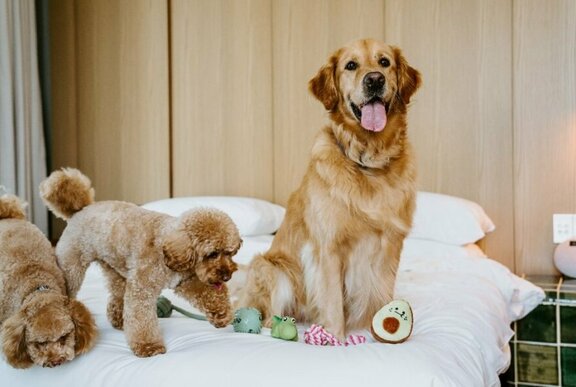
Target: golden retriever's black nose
374, 82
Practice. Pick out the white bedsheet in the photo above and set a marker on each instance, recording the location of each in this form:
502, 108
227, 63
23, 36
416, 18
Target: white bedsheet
463, 304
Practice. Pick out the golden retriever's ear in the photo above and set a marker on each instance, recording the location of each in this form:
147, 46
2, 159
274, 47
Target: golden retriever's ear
14, 342
323, 85
178, 252
85, 331
409, 79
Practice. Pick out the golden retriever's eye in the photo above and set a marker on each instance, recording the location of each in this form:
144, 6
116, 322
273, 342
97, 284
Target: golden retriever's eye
351, 66
62, 340
212, 255
384, 62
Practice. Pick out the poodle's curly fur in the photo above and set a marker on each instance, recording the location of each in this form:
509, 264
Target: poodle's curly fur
142, 252
40, 324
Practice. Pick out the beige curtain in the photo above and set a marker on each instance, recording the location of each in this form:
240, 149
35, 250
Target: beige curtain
22, 147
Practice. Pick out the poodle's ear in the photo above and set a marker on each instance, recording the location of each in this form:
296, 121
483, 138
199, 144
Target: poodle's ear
14, 342
85, 331
323, 85
409, 79
12, 207
178, 251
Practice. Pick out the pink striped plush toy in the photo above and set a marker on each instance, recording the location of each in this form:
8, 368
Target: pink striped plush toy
317, 335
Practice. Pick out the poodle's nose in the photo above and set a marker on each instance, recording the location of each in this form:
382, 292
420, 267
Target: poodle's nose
54, 363
226, 277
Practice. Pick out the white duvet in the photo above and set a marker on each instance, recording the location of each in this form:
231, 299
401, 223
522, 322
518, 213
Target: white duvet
463, 305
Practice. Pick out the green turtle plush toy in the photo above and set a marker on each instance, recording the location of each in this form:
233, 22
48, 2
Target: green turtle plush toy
284, 328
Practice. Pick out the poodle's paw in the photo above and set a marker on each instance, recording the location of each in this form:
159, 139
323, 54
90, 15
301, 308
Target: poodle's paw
115, 315
148, 349
220, 319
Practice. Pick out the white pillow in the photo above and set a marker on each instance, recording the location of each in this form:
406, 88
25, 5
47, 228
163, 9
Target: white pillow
417, 248
252, 216
449, 219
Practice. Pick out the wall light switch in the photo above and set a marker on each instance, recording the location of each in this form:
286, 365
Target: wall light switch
563, 227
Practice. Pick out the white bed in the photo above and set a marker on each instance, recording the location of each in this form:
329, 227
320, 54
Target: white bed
463, 304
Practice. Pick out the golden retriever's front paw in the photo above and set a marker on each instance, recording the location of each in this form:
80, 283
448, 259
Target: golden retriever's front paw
267, 323
148, 349
220, 319
339, 333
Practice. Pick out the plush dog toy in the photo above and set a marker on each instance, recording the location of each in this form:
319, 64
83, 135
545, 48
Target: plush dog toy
142, 252
40, 324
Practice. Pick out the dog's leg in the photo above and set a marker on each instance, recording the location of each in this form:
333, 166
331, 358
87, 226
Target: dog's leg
369, 290
72, 263
384, 279
256, 293
214, 302
274, 286
140, 322
117, 288
328, 294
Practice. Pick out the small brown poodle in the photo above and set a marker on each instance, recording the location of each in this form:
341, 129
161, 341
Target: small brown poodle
40, 324
142, 252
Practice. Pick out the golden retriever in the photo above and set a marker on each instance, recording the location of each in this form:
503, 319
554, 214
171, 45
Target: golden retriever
40, 324
335, 256
142, 252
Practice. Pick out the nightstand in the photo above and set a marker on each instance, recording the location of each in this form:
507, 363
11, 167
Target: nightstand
544, 346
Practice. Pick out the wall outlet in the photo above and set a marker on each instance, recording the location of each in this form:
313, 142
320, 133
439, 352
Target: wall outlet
564, 227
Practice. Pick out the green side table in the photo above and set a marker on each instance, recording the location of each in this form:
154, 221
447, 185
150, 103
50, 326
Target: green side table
544, 346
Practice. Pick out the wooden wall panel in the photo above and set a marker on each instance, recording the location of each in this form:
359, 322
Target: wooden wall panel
545, 126
222, 97
495, 121
62, 27
63, 78
122, 91
461, 119
305, 34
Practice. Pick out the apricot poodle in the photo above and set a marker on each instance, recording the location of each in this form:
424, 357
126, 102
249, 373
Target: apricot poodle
40, 324
142, 252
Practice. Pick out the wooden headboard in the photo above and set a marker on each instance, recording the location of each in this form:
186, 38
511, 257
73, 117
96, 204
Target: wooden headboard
190, 97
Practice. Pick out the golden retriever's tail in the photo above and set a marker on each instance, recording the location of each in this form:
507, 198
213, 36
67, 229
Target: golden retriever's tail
12, 207
66, 192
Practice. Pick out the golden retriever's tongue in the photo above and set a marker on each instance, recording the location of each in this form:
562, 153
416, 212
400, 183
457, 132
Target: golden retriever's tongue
373, 117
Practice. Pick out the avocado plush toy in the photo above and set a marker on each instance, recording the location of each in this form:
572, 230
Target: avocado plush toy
393, 322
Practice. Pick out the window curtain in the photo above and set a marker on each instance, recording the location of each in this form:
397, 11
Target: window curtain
22, 146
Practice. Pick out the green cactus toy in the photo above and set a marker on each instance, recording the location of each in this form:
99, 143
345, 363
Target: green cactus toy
247, 320
284, 328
